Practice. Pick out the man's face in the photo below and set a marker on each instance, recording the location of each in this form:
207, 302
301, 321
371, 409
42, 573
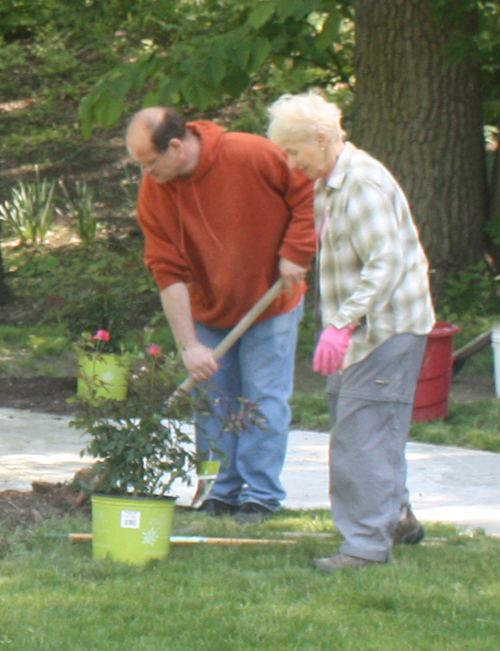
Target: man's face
162, 167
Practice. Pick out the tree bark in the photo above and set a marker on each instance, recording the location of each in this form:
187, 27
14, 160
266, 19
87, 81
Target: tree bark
421, 114
5, 293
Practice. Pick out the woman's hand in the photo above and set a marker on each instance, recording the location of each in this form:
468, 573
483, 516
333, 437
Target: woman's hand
331, 349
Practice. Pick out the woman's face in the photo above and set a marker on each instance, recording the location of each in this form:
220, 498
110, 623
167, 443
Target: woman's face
310, 157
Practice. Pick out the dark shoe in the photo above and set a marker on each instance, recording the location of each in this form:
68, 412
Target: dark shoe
339, 562
216, 508
251, 512
409, 531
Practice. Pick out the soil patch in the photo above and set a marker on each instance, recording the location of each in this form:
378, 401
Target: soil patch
44, 501
47, 395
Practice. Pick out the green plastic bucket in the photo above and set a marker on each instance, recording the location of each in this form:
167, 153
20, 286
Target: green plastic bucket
131, 530
103, 376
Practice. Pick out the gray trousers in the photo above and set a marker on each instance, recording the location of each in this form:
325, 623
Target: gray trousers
371, 405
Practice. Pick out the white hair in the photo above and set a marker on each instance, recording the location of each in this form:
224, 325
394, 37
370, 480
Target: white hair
301, 118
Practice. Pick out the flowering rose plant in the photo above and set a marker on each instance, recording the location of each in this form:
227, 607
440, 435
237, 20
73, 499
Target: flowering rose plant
101, 310
141, 446
144, 442
98, 343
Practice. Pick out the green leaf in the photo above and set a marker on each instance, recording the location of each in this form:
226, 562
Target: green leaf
109, 109
109, 105
86, 114
235, 82
167, 92
142, 70
151, 99
293, 9
104, 103
280, 44
259, 54
197, 93
261, 14
330, 32
213, 69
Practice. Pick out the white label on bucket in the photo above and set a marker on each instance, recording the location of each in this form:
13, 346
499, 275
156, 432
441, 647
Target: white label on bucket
130, 519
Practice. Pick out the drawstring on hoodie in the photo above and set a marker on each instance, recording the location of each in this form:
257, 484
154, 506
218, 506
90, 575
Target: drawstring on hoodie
203, 218
179, 218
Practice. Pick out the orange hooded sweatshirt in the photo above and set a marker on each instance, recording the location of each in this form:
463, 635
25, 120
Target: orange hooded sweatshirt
223, 230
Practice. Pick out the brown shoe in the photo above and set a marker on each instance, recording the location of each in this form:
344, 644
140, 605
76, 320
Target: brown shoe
409, 531
339, 562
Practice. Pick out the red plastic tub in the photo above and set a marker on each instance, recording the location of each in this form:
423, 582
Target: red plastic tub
433, 389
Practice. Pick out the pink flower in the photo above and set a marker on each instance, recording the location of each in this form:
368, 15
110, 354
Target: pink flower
102, 335
154, 350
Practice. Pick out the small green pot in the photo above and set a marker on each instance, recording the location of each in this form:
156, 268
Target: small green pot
208, 469
131, 530
103, 376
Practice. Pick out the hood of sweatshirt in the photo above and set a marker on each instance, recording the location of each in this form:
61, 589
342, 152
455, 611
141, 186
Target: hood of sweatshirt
210, 135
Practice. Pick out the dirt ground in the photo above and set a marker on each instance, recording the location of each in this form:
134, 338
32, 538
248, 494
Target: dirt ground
45, 394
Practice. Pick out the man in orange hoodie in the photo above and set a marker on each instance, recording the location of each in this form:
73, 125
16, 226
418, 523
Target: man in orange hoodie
223, 218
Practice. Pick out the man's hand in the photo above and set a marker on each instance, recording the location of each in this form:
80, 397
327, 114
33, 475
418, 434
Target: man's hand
199, 361
197, 358
331, 349
291, 273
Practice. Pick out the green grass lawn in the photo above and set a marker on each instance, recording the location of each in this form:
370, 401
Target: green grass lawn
443, 595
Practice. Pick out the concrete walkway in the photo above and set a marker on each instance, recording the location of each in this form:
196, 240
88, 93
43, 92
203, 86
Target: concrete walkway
447, 484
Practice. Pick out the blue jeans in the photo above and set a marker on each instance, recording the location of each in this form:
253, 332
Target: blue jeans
259, 368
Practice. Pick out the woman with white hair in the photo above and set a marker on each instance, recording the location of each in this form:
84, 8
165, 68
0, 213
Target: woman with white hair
376, 311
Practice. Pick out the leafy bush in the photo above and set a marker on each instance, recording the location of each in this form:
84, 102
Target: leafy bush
30, 212
100, 309
476, 291
80, 208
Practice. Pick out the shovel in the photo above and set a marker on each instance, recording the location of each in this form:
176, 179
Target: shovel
206, 482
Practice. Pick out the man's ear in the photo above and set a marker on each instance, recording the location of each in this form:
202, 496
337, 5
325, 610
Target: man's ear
175, 143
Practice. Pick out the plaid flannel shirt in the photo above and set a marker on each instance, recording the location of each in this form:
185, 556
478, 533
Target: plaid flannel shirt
373, 269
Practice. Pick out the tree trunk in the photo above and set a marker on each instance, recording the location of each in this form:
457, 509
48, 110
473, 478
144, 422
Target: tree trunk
5, 293
421, 115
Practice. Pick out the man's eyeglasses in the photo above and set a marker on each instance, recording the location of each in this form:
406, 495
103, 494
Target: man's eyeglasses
150, 167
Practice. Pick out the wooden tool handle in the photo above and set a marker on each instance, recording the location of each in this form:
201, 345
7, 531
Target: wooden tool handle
238, 330
192, 540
